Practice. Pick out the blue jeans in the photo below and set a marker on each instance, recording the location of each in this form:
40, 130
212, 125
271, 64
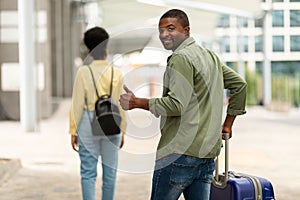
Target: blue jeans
90, 147
176, 174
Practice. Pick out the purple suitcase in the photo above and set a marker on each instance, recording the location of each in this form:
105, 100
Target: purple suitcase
236, 186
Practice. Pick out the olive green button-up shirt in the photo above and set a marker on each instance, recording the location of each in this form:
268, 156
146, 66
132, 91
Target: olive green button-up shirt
192, 101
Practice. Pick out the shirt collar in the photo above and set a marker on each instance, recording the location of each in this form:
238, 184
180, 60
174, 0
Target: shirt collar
104, 63
185, 43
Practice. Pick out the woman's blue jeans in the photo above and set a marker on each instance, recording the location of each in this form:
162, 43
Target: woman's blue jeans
90, 147
176, 174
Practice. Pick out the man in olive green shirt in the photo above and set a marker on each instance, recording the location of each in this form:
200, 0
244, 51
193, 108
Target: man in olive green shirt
191, 112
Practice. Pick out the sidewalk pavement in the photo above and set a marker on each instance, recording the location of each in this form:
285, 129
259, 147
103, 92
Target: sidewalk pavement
44, 166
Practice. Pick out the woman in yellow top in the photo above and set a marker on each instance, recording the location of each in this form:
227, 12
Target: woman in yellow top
83, 102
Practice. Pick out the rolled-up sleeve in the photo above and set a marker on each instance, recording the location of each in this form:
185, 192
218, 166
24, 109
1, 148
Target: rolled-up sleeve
155, 108
237, 91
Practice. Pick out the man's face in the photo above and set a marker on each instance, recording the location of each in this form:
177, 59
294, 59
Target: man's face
172, 33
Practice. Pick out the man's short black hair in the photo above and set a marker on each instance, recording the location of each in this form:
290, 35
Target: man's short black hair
96, 39
179, 14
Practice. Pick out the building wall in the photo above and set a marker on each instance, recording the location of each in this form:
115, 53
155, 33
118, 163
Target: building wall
59, 28
9, 60
61, 32
285, 33
8, 57
242, 40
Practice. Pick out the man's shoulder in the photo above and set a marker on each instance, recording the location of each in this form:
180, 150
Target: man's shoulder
193, 51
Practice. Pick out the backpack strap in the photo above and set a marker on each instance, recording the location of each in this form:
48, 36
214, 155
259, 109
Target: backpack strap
111, 81
93, 81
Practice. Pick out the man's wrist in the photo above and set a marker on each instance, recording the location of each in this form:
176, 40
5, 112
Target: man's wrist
227, 125
142, 103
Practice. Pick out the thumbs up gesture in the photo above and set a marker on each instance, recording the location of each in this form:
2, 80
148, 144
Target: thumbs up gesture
128, 99
127, 89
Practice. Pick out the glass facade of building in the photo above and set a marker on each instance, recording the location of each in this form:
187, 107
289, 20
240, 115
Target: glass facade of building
295, 43
277, 18
278, 43
258, 43
282, 47
295, 18
224, 21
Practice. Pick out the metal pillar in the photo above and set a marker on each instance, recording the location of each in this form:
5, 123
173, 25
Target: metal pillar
267, 86
241, 62
28, 96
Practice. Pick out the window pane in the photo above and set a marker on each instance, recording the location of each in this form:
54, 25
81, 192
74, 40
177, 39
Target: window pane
277, 0
225, 44
294, 0
258, 43
42, 35
259, 22
9, 35
42, 18
277, 18
243, 43
295, 17
278, 43
242, 22
295, 43
223, 21
285, 67
9, 18
10, 76
259, 67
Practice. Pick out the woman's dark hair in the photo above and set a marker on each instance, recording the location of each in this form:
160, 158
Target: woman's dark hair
96, 39
179, 14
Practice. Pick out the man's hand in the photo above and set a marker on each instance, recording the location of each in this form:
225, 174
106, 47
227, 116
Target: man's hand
128, 99
74, 142
223, 135
227, 126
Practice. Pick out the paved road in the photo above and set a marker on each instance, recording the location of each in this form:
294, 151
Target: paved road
264, 144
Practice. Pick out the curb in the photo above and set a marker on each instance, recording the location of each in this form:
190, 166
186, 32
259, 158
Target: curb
8, 167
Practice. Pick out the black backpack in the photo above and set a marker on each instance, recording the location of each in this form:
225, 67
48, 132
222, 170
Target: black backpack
106, 119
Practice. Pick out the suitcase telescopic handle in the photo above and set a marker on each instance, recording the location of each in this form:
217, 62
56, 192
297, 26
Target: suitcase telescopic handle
218, 181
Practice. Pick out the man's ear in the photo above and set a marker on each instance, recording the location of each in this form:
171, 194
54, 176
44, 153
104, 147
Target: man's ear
187, 31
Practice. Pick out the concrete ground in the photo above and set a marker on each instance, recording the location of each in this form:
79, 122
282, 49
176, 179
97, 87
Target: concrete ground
264, 144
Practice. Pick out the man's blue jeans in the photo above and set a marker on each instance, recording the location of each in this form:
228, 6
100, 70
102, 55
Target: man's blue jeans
176, 174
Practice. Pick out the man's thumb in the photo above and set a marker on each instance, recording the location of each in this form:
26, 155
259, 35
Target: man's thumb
126, 89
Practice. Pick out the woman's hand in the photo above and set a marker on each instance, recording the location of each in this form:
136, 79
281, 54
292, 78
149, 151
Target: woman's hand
122, 141
74, 142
